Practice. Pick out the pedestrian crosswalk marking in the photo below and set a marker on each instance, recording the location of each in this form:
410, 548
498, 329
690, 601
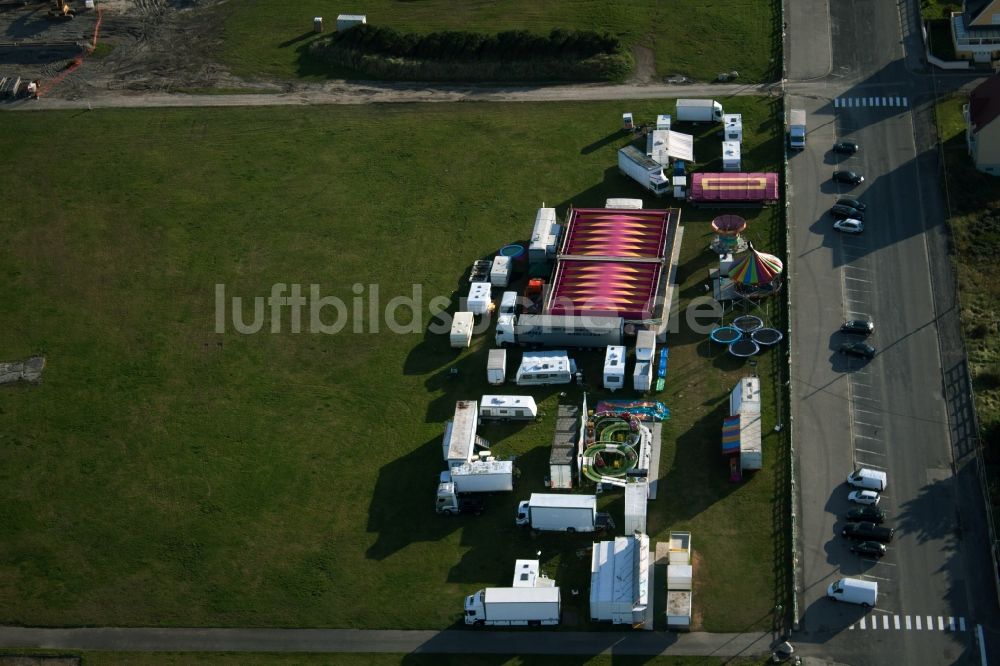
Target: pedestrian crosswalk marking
857, 102
911, 623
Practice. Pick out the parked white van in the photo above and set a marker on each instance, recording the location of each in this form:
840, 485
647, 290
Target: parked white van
868, 479
854, 591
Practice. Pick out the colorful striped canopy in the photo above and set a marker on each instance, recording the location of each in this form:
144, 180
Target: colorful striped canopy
731, 435
756, 268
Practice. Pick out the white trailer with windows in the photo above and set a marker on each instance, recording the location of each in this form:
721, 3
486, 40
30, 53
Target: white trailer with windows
480, 298
544, 236
508, 407
461, 329
731, 159
500, 271
614, 367
496, 367
663, 121
547, 367
733, 127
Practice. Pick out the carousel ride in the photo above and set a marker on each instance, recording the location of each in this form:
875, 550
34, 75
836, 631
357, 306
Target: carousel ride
756, 276
728, 238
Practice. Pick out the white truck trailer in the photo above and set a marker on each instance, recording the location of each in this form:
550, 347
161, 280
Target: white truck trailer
797, 129
532, 600
559, 331
644, 170
562, 513
699, 111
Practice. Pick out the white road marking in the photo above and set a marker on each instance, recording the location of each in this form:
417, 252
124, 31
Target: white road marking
907, 622
940, 623
873, 453
870, 425
875, 577
905, 103
865, 411
836, 105
848, 277
885, 621
919, 627
951, 623
861, 624
961, 624
873, 439
895, 620
930, 623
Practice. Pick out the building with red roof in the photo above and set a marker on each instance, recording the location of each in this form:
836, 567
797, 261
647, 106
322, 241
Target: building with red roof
982, 129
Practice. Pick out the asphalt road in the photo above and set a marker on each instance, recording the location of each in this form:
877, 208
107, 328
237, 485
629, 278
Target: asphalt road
889, 413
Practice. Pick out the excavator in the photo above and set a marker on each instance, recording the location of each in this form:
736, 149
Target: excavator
59, 10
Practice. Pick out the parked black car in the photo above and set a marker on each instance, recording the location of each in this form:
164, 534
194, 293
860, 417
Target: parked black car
840, 210
861, 349
868, 514
858, 326
868, 532
869, 548
847, 147
852, 202
849, 177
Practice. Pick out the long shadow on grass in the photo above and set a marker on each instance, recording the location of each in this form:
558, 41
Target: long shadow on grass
401, 511
698, 475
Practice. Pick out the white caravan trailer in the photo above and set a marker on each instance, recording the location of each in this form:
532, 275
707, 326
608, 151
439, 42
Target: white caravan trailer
516, 407
545, 367
614, 367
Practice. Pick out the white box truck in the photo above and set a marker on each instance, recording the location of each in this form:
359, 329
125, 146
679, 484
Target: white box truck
797, 129
562, 513
513, 606
699, 111
460, 488
644, 170
854, 591
496, 366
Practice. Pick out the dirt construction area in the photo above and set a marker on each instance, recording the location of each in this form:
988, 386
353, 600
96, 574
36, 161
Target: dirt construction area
140, 45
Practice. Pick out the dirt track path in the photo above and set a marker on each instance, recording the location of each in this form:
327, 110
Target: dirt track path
346, 93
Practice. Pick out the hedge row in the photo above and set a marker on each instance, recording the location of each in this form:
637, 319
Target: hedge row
601, 67
512, 45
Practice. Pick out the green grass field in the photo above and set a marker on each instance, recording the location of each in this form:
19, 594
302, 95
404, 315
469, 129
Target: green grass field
269, 38
165, 474
973, 199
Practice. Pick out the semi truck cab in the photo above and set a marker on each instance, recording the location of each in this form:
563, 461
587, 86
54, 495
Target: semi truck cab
475, 611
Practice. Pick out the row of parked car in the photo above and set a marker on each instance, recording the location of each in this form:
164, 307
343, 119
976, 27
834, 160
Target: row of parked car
865, 522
